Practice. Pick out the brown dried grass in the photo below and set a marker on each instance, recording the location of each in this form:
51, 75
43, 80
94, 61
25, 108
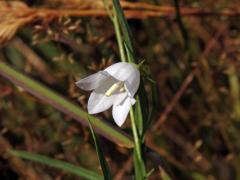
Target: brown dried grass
15, 14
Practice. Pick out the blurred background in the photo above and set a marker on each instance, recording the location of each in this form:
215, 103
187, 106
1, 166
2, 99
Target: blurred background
191, 48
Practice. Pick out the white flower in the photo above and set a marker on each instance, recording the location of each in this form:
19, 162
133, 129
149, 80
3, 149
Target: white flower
114, 86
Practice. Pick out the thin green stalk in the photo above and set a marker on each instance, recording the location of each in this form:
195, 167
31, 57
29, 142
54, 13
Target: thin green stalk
126, 50
123, 55
135, 135
118, 36
124, 28
123, 36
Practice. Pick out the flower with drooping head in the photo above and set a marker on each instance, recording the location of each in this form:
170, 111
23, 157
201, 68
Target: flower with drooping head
114, 86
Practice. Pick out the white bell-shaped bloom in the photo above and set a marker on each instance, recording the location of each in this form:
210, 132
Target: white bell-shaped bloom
114, 86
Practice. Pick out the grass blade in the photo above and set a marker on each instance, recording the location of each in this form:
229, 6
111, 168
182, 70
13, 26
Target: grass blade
164, 174
104, 165
139, 117
84, 173
64, 105
139, 167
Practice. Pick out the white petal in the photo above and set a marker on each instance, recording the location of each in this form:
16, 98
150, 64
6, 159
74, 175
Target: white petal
121, 71
98, 102
121, 111
132, 83
120, 98
93, 81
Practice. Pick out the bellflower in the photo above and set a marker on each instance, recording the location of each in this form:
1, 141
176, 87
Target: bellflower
114, 87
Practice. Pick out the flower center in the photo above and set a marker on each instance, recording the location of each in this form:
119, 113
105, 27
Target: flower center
116, 87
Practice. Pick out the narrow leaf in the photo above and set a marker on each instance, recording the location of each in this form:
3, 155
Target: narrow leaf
102, 160
153, 109
84, 173
138, 116
125, 30
45, 94
164, 174
139, 167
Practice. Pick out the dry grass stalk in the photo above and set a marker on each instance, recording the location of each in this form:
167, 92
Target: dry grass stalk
14, 15
34, 60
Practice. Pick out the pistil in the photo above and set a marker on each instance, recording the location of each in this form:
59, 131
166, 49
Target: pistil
119, 86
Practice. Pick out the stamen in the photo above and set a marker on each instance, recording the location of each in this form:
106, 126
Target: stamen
115, 87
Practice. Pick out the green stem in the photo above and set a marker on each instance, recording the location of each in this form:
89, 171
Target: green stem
119, 36
126, 51
123, 55
137, 143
